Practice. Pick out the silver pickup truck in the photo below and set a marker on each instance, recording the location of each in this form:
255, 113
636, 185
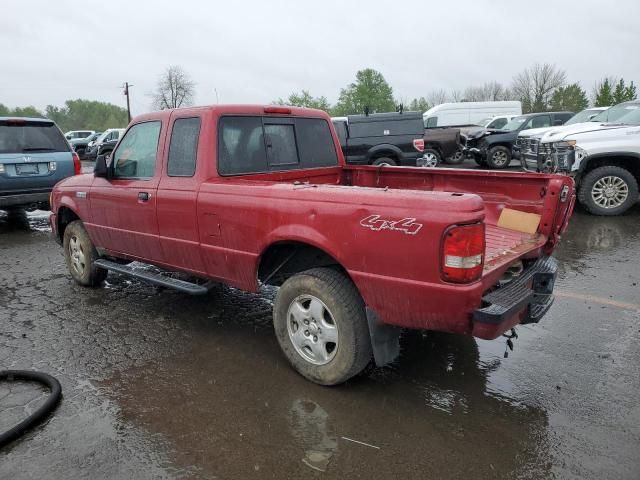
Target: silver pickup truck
34, 156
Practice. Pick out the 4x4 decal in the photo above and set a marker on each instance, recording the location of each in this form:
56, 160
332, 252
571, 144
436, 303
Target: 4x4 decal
408, 226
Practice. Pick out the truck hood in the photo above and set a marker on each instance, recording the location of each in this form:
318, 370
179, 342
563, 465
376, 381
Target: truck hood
556, 134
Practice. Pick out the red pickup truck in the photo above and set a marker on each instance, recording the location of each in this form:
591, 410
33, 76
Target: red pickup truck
252, 194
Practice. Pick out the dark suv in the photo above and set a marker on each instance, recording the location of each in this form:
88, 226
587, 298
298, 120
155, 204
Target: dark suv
382, 138
494, 148
34, 156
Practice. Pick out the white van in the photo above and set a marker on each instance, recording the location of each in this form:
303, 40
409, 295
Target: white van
468, 113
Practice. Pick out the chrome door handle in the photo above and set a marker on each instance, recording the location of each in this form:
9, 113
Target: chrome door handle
144, 196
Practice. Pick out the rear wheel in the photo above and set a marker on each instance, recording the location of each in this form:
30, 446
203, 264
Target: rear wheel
80, 255
498, 157
384, 161
430, 158
320, 322
455, 159
608, 190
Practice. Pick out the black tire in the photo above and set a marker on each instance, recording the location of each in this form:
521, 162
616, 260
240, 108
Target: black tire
498, 157
344, 306
479, 161
456, 159
585, 191
384, 161
83, 271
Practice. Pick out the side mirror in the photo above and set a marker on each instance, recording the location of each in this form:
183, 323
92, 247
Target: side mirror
591, 116
101, 169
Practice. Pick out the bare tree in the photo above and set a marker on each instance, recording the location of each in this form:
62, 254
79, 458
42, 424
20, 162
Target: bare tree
175, 89
535, 85
457, 95
436, 97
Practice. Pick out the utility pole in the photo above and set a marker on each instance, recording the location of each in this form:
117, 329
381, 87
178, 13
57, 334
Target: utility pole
126, 93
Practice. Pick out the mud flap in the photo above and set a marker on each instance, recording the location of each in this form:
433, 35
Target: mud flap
385, 339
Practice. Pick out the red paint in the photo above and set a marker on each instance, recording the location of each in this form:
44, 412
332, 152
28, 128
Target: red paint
218, 227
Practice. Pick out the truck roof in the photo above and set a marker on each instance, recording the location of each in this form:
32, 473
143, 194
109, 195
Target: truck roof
28, 119
381, 117
238, 109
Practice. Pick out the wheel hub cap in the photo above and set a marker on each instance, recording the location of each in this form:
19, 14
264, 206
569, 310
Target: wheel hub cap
610, 192
77, 255
312, 330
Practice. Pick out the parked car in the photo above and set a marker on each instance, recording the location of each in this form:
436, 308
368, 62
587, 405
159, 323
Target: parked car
250, 195
443, 145
105, 148
587, 115
108, 135
34, 156
497, 121
493, 148
381, 138
603, 158
467, 113
80, 145
73, 134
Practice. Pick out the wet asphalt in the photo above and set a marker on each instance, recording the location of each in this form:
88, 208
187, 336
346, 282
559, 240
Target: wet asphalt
158, 384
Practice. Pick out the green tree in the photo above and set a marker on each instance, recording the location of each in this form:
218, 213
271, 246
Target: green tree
624, 93
419, 105
4, 110
572, 98
93, 115
304, 99
29, 111
603, 94
370, 91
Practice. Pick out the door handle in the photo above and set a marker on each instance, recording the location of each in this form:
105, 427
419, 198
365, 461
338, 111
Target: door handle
144, 196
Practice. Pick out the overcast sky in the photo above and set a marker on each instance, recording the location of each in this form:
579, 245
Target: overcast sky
257, 51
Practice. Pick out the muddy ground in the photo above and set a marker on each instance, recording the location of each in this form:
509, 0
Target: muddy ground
158, 384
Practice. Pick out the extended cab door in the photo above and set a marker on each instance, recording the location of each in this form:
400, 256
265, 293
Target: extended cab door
178, 192
123, 207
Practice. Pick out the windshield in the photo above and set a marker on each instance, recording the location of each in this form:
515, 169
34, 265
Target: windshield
615, 112
20, 137
514, 124
582, 116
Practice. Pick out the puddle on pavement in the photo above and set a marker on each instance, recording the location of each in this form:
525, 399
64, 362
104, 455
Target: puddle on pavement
19, 220
233, 407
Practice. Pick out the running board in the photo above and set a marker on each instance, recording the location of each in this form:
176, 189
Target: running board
151, 277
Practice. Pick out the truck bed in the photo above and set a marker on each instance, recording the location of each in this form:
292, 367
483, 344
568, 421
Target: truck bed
504, 245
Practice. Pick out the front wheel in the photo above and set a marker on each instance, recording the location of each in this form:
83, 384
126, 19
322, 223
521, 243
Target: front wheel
80, 255
608, 190
320, 322
498, 157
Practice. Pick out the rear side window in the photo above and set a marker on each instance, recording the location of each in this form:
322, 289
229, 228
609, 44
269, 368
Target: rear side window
540, 122
183, 147
262, 144
315, 143
135, 156
20, 137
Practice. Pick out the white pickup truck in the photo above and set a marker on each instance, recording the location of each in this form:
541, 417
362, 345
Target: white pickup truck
604, 158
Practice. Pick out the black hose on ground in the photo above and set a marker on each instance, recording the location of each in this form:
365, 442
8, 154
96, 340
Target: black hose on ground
41, 413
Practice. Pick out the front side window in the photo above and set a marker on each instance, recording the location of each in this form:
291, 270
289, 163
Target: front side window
183, 147
135, 157
498, 123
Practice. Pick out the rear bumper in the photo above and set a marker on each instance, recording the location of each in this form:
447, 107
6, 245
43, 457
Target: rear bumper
23, 199
525, 300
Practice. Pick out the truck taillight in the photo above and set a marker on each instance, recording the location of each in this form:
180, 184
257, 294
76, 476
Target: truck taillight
77, 166
463, 253
418, 144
